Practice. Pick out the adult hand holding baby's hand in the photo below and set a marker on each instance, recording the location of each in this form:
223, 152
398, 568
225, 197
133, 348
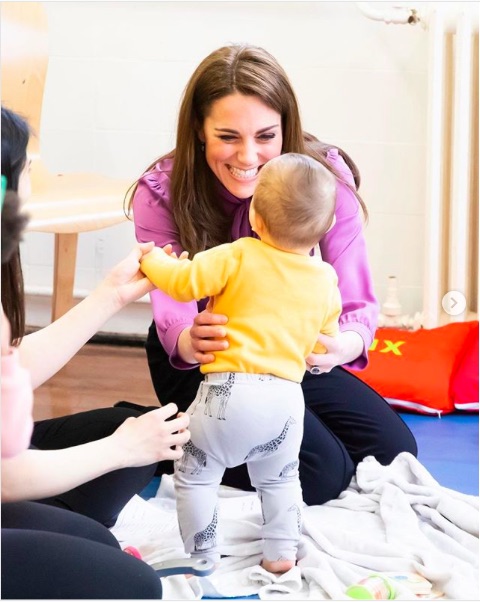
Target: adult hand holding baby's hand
126, 283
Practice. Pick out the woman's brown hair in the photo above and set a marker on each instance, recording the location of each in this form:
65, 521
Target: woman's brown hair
13, 224
238, 68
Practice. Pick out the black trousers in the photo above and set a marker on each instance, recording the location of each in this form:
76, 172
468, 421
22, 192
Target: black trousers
104, 497
51, 553
345, 421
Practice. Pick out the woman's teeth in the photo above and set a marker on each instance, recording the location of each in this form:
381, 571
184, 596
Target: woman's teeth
241, 173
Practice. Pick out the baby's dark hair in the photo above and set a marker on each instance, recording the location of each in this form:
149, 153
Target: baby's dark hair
295, 196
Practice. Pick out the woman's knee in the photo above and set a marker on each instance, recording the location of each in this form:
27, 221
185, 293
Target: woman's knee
56, 565
48, 518
398, 439
326, 467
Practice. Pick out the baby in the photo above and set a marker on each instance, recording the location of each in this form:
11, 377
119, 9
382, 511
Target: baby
278, 297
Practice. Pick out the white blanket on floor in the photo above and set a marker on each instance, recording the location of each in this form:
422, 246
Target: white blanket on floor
391, 518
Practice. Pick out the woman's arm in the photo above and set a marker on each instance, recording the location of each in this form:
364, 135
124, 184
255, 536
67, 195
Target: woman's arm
35, 474
16, 400
334, 347
344, 248
154, 221
60, 340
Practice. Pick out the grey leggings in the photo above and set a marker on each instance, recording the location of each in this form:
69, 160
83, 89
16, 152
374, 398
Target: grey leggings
235, 418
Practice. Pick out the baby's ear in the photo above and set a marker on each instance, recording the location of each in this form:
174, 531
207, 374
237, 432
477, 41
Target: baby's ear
258, 225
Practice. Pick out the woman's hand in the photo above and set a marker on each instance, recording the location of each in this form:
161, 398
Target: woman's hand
343, 348
206, 335
125, 281
151, 437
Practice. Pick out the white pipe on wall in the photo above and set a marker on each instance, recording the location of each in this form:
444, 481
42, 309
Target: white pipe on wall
398, 15
435, 158
461, 164
402, 15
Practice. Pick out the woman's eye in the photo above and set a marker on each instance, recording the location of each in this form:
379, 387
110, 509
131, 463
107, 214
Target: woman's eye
227, 138
267, 137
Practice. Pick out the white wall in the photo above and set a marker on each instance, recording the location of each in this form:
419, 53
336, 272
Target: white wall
116, 73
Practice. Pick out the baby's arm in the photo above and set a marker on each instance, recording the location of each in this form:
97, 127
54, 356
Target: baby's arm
184, 279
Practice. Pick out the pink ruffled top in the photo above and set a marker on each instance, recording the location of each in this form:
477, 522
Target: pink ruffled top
343, 247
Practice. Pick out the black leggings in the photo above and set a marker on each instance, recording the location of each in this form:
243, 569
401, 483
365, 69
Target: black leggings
345, 421
104, 497
50, 553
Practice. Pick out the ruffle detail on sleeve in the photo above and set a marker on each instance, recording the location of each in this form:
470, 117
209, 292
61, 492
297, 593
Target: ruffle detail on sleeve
338, 163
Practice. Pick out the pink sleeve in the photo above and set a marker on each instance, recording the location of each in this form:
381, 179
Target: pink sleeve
17, 405
154, 221
344, 248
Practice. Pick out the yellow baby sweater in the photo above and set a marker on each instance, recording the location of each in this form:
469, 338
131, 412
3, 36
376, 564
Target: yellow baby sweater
276, 302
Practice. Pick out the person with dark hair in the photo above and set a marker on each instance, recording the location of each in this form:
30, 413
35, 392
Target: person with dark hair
16, 389
78, 468
15, 168
239, 111
13, 224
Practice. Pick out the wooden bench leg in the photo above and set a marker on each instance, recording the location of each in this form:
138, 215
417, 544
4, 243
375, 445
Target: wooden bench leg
63, 273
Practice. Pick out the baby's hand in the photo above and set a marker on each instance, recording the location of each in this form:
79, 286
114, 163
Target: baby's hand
168, 249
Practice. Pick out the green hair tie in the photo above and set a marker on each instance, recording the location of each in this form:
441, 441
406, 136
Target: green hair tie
4, 189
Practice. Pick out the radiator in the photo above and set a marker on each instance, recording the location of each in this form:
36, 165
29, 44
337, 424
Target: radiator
451, 252
451, 212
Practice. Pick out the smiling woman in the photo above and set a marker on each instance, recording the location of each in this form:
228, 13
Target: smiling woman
238, 112
240, 134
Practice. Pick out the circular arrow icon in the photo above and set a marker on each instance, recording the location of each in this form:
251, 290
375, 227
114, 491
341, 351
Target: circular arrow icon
454, 303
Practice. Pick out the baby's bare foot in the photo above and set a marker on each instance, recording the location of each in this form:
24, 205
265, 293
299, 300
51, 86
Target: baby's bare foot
277, 566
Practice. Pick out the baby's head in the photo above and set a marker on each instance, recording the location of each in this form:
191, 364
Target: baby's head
295, 197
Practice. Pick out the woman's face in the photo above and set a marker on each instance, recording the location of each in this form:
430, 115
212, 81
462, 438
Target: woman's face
24, 184
241, 134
